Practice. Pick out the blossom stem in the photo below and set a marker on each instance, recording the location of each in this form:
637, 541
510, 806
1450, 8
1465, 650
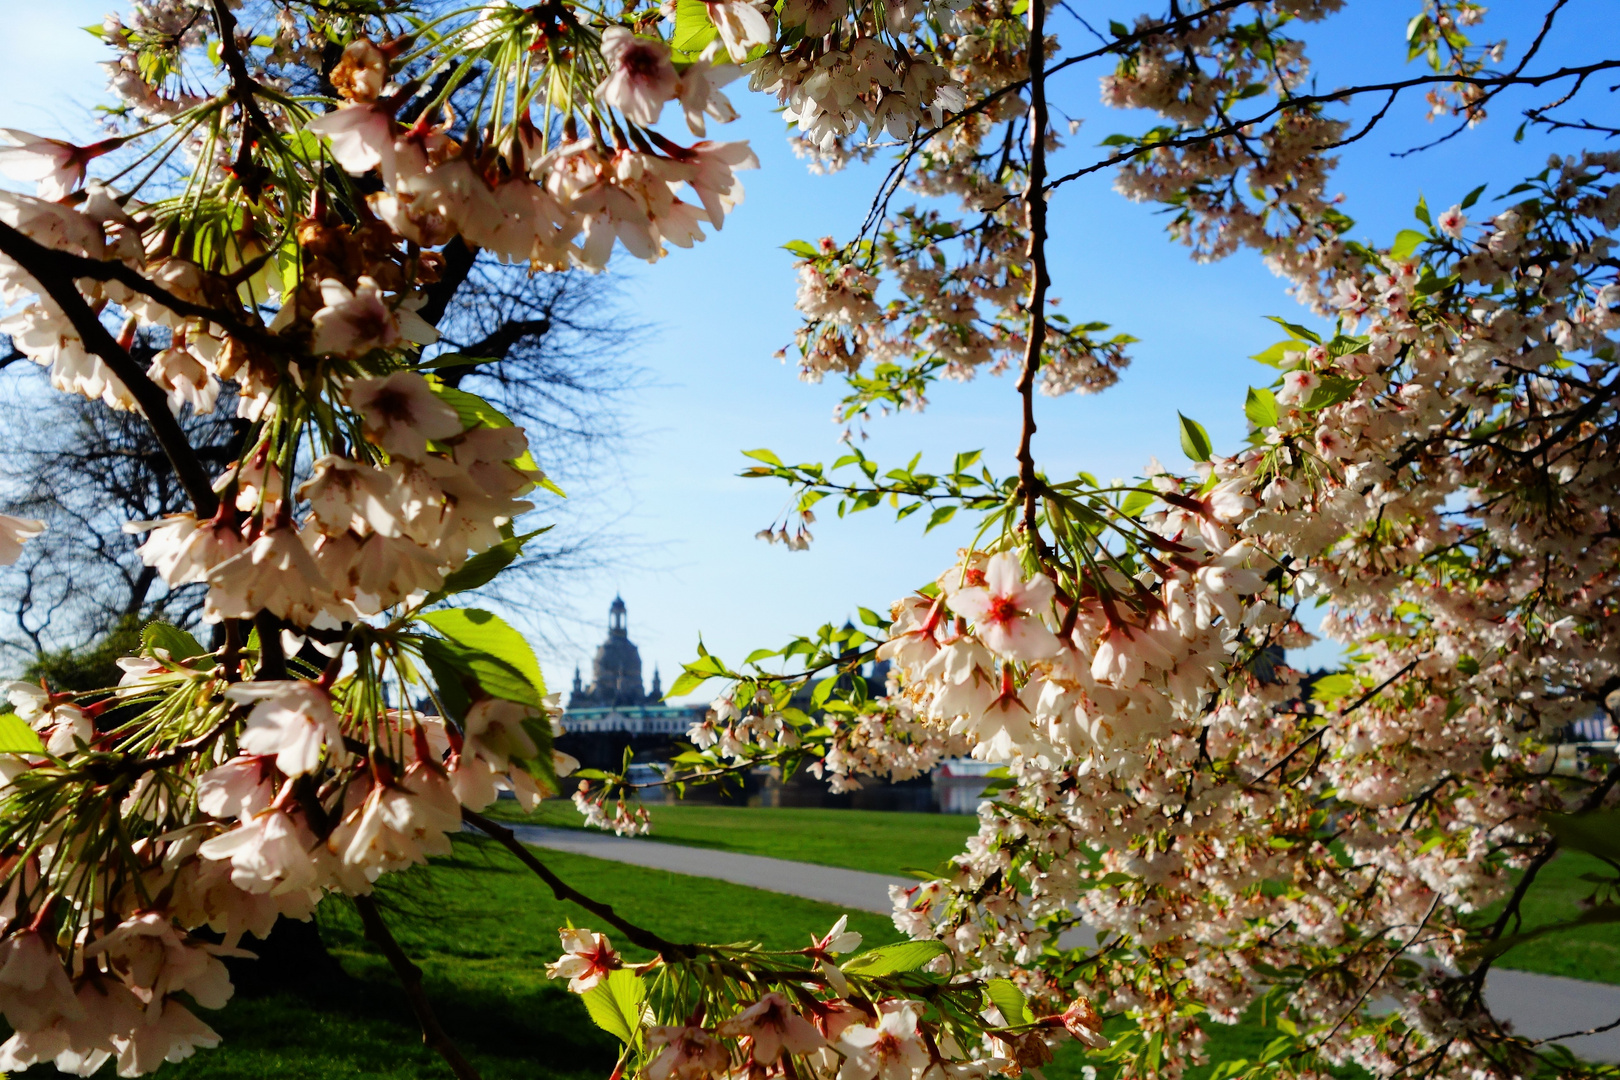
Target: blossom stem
1035, 211
410, 979
563, 891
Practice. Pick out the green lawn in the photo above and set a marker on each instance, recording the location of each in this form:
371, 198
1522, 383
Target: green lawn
874, 840
1587, 952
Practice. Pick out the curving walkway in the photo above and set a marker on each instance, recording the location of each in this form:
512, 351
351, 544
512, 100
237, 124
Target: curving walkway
1537, 1005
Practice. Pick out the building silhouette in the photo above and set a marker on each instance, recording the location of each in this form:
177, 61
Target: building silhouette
614, 713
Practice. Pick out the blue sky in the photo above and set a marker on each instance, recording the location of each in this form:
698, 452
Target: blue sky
719, 312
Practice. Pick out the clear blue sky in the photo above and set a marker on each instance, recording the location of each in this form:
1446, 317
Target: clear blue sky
719, 312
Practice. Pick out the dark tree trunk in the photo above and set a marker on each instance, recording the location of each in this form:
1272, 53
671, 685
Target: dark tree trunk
292, 959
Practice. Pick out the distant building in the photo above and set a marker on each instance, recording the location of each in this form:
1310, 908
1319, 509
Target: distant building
614, 713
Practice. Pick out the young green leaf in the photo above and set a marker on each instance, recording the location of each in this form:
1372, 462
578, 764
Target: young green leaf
1297, 331
894, 959
1005, 995
693, 30
616, 1005
1261, 407
483, 632
171, 639
16, 737
1406, 242
1194, 439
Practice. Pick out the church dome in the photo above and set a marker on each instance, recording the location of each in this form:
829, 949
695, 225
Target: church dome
616, 669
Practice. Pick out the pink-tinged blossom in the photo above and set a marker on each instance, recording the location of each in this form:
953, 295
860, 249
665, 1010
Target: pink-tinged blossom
292, 720
185, 380
274, 573
587, 959
640, 75
1297, 386
14, 532
700, 96
1451, 222
240, 788
184, 550
353, 323
774, 1028
835, 942
401, 413
1006, 610
741, 26
362, 137
269, 853
689, 1053
56, 166
887, 1050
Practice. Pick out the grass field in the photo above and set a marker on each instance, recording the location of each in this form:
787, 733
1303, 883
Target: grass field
873, 840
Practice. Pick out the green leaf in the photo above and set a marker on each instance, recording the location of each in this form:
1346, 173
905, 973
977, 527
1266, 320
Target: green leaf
1596, 833
616, 1005
940, 516
802, 248
453, 359
481, 569
1333, 390
483, 632
1136, 502
171, 639
1472, 197
1261, 407
1334, 687
1298, 331
894, 959
1406, 242
1422, 212
1433, 283
1005, 995
685, 684
473, 410
693, 30
1194, 439
763, 455
1281, 354
16, 737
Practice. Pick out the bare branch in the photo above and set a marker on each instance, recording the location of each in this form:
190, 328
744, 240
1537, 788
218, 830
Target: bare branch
410, 979
47, 267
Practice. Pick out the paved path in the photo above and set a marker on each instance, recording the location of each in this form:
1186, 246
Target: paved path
1538, 1005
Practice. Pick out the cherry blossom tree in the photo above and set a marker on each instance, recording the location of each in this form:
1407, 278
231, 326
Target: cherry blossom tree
1180, 834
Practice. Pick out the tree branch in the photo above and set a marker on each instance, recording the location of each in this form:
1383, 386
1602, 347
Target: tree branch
410, 979
459, 257
55, 272
1035, 213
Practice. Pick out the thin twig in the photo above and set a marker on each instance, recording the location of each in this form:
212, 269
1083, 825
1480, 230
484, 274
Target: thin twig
1325, 728
1382, 971
410, 979
564, 891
